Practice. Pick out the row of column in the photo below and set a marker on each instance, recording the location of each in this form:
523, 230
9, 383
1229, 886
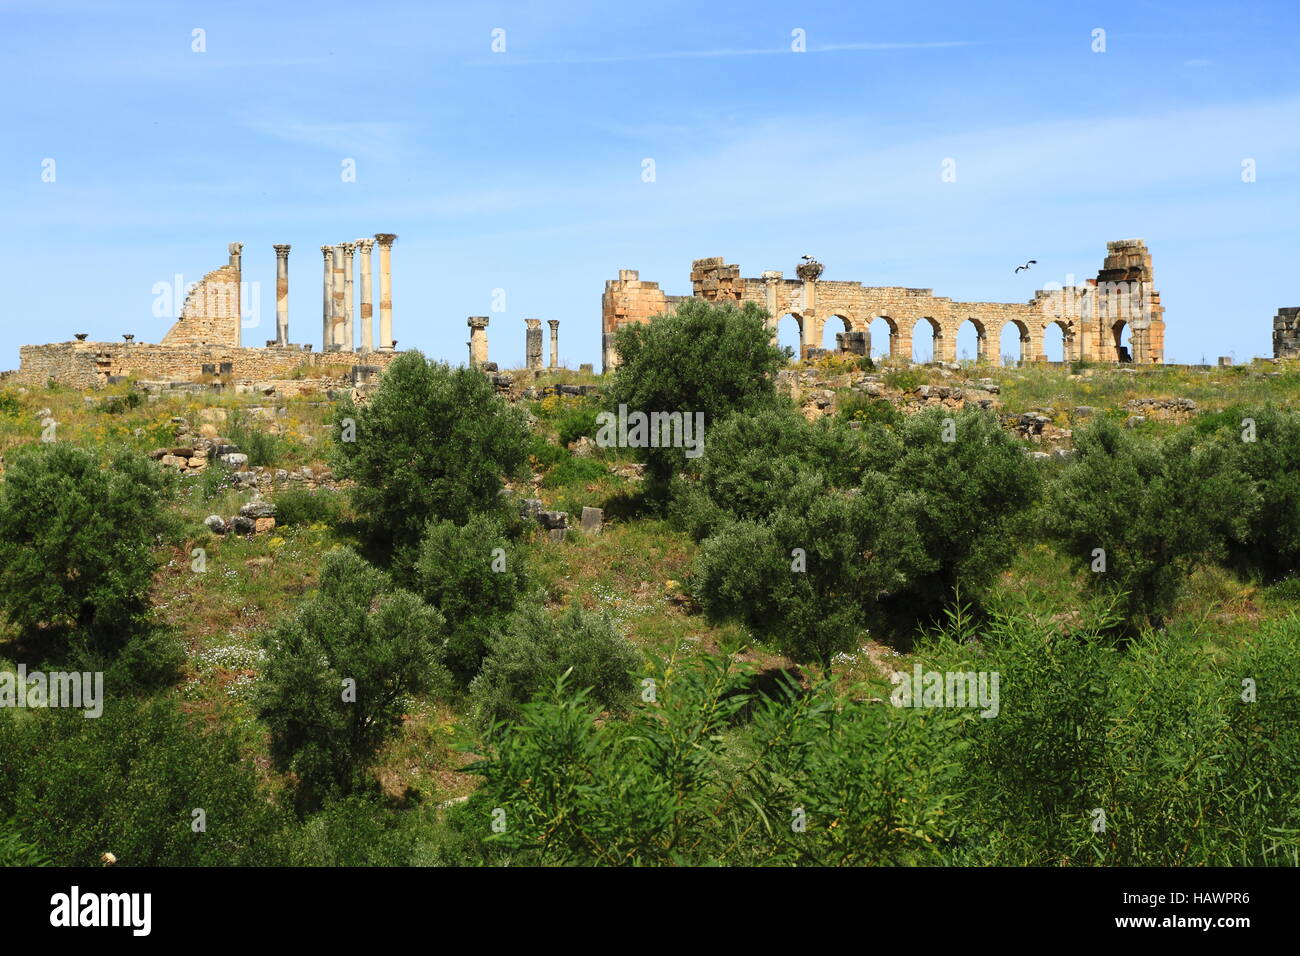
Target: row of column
337, 331
478, 342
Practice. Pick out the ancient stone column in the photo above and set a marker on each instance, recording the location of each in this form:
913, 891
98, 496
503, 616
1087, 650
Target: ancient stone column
336, 300
349, 298
385, 240
327, 252
555, 342
236, 250
478, 342
533, 343
367, 303
282, 295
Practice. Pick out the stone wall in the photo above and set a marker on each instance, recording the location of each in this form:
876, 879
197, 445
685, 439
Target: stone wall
1092, 317
1286, 333
91, 364
211, 315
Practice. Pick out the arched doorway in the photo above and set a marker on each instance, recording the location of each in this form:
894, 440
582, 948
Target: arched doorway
1013, 343
1054, 343
834, 324
1123, 341
972, 342
884, 336
789, 334
925, 340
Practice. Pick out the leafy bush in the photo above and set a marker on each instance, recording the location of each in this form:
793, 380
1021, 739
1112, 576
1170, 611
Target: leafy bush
705, 358
970, 499
474, 577
117, 404
574, 470
1154, 507
860, 407
75, 543
669, 786
1264, 445
576, 422
128, 783
433, 442
262, 447
809, 577
300, 506
339, 673
536, 649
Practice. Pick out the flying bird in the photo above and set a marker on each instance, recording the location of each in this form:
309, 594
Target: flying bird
1031, 262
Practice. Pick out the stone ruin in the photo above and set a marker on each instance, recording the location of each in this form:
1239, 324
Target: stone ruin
1286, 333
204, 346
1092, 317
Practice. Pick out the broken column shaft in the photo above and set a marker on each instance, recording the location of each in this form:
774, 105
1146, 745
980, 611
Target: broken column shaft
555, 342
282, 295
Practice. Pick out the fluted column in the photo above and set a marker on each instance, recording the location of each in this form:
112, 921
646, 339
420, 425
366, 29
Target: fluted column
327, 253
533, 343
385, 240
349, 339
478, 342
367, 304
336, 301
555, 342
282, 295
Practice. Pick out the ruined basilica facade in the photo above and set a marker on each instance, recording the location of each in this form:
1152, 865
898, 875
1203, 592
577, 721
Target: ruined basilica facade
205, 343
1092, 317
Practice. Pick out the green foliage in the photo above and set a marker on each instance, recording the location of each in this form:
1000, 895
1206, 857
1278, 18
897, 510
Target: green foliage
576, 422
714, 359
474, 576
671, 785
75, 543
339, 674
902, 379
433, 442
215, 480
10, 404
752, 460
262, 447
970, 499
574, 470
15, 850
1264, 446
117, 404
128, 783
1154, 506
860, 407
300, 506
536, 649
809, 577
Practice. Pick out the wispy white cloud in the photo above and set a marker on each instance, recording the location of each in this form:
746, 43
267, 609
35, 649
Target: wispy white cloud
735, 52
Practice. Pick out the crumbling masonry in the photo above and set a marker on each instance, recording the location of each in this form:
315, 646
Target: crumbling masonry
1092, 317
205, 342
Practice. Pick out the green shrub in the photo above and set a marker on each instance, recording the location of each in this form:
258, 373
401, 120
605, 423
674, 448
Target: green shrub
76, 539
902, 379
263, 448
118, 404
300, 506
575, 423
339, 673
573, 471
432, 443
860, 407
474, 576
809, 577
704, 358
536, 649
1140, 512
129, 783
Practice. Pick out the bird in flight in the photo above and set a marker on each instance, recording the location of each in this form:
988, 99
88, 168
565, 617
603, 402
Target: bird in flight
1031, 262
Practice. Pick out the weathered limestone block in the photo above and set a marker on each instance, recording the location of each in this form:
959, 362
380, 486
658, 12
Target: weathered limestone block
592, 520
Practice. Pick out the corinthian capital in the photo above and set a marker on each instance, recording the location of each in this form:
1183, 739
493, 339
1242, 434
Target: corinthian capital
385, 239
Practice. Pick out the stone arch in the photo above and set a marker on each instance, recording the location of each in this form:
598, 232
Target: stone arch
830, 327
884, 341
1020, 354
1122, 352
794, 338
980, 352
937, 340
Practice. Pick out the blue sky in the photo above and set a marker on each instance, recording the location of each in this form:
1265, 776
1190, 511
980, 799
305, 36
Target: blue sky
522, 170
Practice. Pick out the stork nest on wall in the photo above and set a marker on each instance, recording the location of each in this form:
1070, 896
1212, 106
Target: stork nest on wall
809, 271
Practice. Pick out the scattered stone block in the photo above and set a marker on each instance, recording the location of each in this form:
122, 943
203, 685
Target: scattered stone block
592, 520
